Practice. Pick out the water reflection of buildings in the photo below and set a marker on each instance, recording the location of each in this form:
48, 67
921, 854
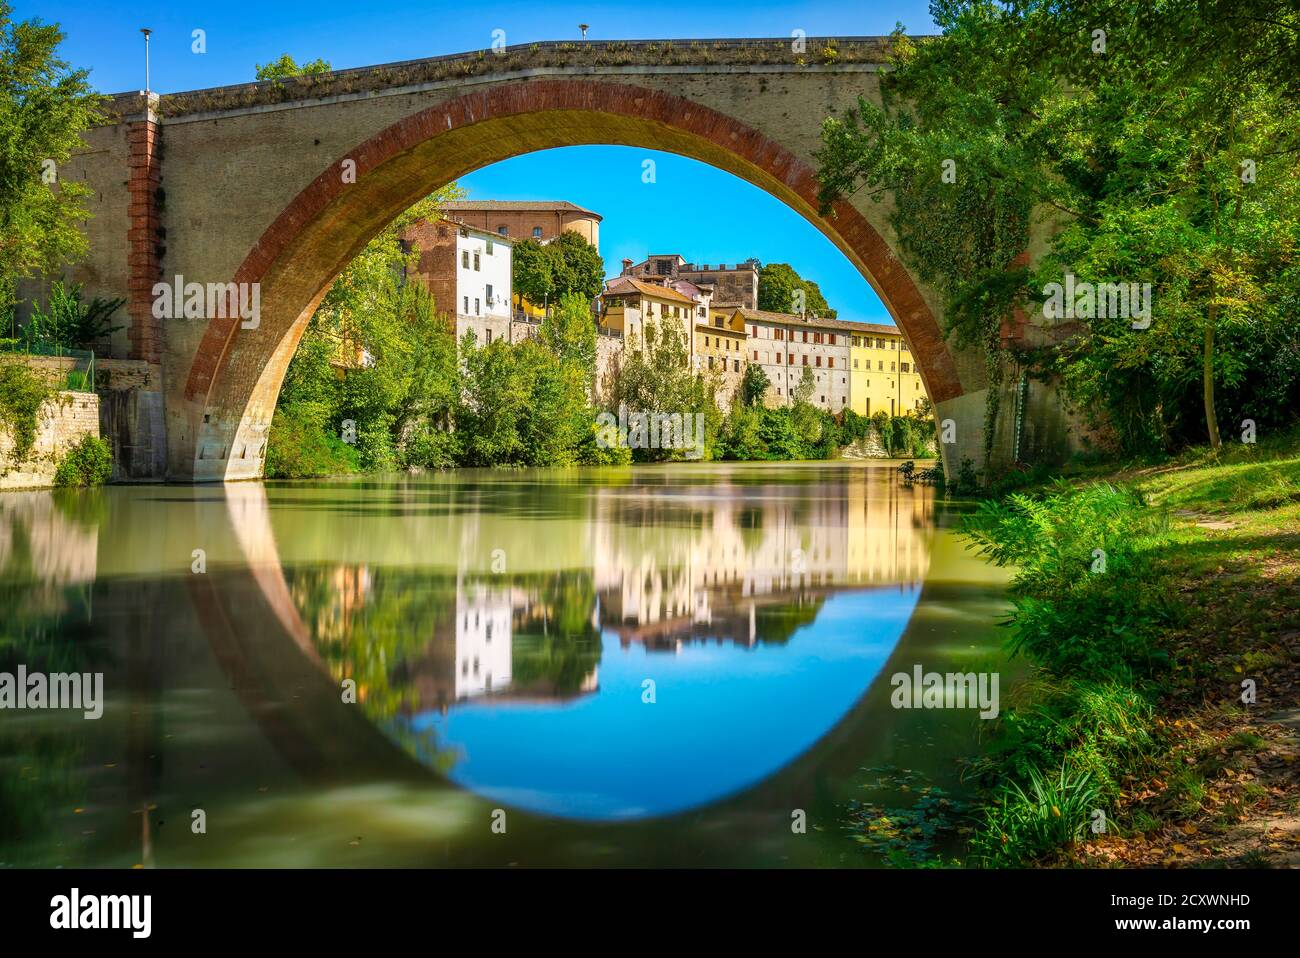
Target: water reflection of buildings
42, 544
730, 557
492, 648
481, 615
663, 567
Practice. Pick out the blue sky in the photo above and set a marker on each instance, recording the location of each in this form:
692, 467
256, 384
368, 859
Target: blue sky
104, 38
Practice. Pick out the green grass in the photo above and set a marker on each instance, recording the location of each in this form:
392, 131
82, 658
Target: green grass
1179, 612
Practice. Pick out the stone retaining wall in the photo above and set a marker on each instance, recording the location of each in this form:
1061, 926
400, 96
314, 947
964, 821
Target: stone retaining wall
62, 421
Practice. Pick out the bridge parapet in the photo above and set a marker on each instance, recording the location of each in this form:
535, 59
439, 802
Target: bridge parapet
840, 54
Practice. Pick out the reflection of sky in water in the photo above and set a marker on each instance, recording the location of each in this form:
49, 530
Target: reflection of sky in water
726, 718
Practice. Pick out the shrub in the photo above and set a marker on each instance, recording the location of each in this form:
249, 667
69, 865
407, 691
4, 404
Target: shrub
22, 393
300, 447
1052, 810
88, 463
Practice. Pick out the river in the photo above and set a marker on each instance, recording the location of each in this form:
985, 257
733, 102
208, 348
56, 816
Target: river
671, 665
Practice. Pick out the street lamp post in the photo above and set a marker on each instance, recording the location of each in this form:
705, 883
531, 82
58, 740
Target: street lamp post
146, 31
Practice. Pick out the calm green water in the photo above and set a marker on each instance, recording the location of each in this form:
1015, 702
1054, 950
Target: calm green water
658, 667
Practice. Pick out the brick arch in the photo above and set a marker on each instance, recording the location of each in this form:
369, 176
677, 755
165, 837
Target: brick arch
235, 376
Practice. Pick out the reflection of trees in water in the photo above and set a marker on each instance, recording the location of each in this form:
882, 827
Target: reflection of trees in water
395, 633
775, 624
47, 566
556, 646
368, 625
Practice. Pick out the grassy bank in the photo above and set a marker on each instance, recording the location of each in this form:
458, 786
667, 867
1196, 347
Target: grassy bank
1151, 602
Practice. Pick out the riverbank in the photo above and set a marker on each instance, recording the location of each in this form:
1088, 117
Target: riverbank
1160, 607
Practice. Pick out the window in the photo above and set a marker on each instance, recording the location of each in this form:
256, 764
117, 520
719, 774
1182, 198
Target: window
891, 367
466, 309
537, 232
819, 361
830, 362
855, 364
476, 309
780, 333
464, 258
904, 366
791, 359
880, 366
710, 362
488, 294
755, 355
893, 343
735, 365
476, 261
805, 359
753, 331
880, 344
832, 335
706, 340
488, 337
805, 335
503, 230
489, 247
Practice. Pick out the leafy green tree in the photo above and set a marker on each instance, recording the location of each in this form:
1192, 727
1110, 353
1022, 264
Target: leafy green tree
570, 333
1154, 159
374, 353
656, 377
533, 266
287, 67
754, 385
777, 283
581, 269
44, 107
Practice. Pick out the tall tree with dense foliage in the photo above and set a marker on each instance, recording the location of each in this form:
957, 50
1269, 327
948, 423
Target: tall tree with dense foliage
44, 107
581, 269
1157, 140
777, 283
656, 377
545, 273
532, 266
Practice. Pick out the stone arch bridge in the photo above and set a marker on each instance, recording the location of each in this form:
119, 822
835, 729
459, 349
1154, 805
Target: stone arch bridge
253, 184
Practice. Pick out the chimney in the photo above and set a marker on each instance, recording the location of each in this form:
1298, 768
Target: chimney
627, 266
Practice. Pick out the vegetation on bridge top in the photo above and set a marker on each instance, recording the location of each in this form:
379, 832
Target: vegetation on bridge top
813, 52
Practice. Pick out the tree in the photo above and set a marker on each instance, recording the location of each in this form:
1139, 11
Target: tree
581, 269
656, 378
400, 397
570, 333
1154, 159
754, 385
286, 67
533, 266
44, 107
777, 283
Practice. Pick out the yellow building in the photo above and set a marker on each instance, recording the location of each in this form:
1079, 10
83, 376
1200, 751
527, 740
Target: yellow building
720, 346
882, 373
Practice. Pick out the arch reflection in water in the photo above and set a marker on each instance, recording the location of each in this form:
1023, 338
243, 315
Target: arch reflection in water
760, 612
